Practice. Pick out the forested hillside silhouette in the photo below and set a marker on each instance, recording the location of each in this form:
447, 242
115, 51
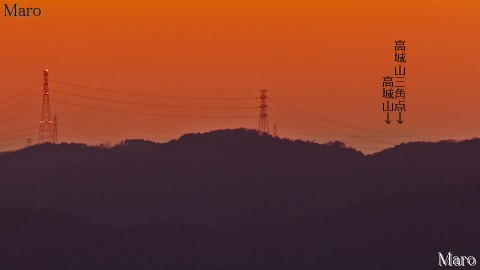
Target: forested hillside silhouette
237, 199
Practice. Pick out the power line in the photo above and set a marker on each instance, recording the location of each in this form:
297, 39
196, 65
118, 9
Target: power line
152, 114
144, 94
19, 103
121, 129
149, 104
298, 119
18, 130
19, 113
94, 133
294, 127
16, 137
326, 119
22, 92
312, 125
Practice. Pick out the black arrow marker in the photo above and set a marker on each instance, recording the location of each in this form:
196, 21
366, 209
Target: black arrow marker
400, 121
388, 118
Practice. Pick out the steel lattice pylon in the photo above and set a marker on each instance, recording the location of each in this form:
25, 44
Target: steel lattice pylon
263, 122
45, 133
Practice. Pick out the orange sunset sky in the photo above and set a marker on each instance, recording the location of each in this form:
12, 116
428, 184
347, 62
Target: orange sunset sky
325, 57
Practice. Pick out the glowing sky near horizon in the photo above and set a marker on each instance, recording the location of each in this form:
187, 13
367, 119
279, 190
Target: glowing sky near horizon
326, 57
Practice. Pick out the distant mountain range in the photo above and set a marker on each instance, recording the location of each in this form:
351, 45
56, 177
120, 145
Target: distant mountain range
236, 199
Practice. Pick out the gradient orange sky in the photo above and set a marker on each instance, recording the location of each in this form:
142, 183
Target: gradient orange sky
326, 57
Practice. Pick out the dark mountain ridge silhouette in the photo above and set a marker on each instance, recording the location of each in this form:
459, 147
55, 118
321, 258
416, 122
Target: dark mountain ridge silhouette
221, 178
288, 204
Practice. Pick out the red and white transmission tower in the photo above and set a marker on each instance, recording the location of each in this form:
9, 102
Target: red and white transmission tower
55, 130
45, 133
263, 122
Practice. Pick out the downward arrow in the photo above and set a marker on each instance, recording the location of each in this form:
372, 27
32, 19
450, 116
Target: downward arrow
388, 118
400, 121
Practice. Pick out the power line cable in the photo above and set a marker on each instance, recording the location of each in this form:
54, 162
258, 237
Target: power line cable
152, 114
121, 129
144, 94
22, 92
149, 104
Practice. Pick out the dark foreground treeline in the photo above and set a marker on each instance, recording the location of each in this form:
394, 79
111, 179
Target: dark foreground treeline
235, 199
